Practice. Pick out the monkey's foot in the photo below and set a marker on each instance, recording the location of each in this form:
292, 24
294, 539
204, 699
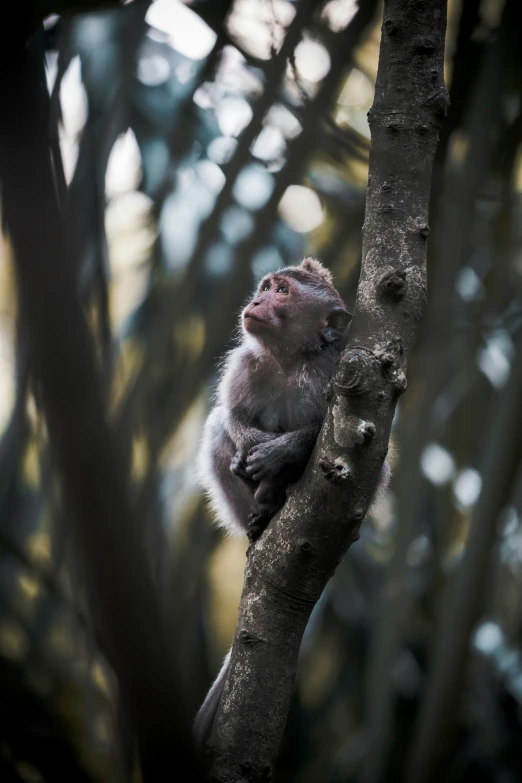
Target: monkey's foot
256, 525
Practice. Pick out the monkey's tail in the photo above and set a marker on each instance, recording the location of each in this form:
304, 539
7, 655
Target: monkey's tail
207, 712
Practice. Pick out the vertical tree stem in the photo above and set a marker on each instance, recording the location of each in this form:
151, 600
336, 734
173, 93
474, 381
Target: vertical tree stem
289, 566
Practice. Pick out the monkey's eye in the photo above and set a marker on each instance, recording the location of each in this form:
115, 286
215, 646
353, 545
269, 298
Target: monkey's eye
265, 286
282, 289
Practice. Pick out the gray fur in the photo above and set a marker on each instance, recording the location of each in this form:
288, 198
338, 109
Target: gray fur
269, 404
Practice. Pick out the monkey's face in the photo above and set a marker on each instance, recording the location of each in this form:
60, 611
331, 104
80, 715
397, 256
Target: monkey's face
268, 310
287, 313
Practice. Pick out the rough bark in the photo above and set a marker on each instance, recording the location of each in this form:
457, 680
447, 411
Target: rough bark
290, 565
454, 213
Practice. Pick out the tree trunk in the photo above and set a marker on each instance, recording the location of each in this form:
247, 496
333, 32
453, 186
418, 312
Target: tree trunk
290, 565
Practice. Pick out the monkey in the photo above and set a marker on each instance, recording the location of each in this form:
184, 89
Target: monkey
269, 408
270, 403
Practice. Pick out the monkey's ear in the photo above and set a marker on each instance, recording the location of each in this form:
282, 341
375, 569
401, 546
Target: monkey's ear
334, 324
316, 268
338, 318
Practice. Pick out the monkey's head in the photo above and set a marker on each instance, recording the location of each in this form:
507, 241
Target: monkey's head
297, 309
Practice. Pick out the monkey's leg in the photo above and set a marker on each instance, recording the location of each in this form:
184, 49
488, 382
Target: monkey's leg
268, 492
270, 497
231, 496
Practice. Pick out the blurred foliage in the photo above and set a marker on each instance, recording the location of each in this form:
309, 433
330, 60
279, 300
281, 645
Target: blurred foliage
196, 147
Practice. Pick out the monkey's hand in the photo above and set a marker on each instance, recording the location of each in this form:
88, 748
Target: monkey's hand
268, 459
238, 465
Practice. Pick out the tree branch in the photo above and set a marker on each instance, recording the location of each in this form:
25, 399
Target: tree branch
290, 565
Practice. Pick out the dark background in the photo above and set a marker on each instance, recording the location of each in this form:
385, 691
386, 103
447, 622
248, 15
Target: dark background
195, 159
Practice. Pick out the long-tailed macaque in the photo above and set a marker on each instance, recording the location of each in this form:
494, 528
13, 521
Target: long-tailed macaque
270, 406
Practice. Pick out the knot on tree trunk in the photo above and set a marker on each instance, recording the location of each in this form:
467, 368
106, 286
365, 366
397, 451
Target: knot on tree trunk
356, 370
335, 470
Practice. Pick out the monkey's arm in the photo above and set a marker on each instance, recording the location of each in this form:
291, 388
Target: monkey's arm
243, 433
244, 436
267, 459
